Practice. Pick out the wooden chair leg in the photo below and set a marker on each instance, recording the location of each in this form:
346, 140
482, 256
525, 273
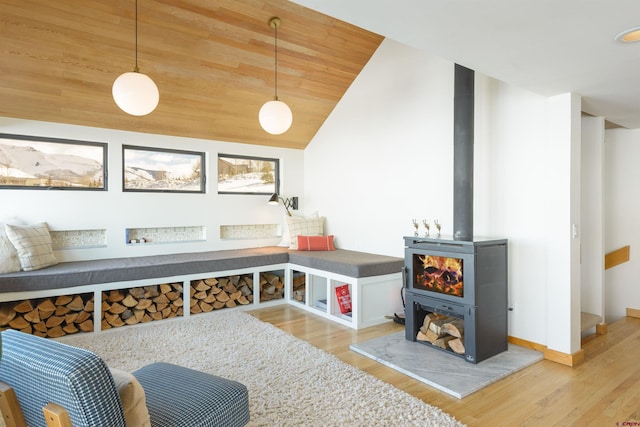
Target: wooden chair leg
11, 411
56, 416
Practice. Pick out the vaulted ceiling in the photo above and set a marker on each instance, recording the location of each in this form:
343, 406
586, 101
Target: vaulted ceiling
213, 62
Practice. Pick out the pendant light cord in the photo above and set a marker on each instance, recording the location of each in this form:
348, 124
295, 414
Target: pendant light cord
276, 61
136, 70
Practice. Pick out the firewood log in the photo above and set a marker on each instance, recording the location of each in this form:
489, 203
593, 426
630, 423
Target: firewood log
33, 316
421, 336
54, 321
161, 299
70, 329
116, 308
442, 341
234, 280
246, 290
432, 336
83, 316
230, 303
230, 288
129, 301
7, 313
211, 281
248, 280
47, 305
89, 306
457, 345
55, 332
215, 290
166, 312
40, 326
23, 306
299, 280
45, 314
86, 326
114, 320
436, 325
201, 285
76, 304
243, 300
151, 291
19, 323
218, 305
177, 287
178, 303
222, 296
172, 295
222, 281
209, 299
63, 300
144, 304
165, 287
455, 328
137, 293
114, 296
61, 310
205, 307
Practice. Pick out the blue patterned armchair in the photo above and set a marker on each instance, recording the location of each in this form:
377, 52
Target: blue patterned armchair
74, 387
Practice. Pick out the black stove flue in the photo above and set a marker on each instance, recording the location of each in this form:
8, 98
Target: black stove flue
463, 130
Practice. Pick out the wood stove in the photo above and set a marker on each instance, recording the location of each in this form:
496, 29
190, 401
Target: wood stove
457, 282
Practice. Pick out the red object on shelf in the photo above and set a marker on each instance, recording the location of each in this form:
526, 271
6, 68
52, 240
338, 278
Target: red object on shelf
344, 298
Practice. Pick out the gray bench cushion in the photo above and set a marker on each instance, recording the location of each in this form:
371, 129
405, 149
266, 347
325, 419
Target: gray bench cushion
181, 397
348, 263
78, 273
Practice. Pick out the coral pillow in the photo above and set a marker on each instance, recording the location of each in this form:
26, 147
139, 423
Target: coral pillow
315, 243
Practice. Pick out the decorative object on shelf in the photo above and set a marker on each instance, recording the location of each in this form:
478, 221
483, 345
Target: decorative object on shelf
42, 163
134, 92
162, 170
275, 116
248, 174
438, 226
288, 203
416, 225
426, 227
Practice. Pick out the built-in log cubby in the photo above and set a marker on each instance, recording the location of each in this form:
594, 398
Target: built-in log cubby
49, 317
143, 304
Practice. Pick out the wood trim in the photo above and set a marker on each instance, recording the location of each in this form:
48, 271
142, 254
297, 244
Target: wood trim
11, 411
555, 356
56, 416
572, 360
601, 329
633, 312
527, 344
617, 257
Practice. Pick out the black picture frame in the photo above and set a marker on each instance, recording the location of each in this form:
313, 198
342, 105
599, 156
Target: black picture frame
44, 163
239, 174
163, 170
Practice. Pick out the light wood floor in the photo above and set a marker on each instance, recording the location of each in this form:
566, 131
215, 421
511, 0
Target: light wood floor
603, 391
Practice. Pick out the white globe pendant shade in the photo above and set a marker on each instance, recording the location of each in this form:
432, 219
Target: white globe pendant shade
135, 93
275, 117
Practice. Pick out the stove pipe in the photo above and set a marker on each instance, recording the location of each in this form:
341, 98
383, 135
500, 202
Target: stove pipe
463, 129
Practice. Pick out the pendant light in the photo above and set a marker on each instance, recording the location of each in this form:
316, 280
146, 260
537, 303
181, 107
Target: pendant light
275, 116
135, 93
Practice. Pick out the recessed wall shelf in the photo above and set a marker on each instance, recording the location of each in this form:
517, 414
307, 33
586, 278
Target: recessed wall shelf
78, 239
160, 235
248, 231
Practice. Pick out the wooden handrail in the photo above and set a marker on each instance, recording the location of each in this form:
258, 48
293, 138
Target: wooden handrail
616, 257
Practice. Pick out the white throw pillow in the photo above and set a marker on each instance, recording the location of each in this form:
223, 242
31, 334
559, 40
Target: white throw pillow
133, 400
33, 244
304, 227
9, 261
285, 242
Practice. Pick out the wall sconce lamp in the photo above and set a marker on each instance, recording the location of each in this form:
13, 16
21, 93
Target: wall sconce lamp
288, 203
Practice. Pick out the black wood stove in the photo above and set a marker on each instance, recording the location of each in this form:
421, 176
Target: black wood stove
465, 280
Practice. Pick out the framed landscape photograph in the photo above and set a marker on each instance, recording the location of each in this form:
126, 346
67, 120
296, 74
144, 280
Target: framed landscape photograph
42, 163
162, 170
248, 175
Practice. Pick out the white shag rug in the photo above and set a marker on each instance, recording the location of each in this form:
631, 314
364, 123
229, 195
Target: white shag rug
290, 382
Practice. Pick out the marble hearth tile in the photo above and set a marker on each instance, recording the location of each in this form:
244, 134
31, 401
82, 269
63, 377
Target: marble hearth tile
441, 370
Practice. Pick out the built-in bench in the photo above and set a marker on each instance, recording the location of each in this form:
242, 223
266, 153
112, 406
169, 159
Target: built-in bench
375, 280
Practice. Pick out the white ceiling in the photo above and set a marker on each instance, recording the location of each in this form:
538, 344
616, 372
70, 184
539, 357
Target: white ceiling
546, 46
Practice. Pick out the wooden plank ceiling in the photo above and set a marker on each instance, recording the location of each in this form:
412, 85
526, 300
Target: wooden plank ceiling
213, 62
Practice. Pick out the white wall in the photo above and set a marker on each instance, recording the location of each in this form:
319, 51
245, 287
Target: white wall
115, 210
385, 155
592, 219
622, 175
